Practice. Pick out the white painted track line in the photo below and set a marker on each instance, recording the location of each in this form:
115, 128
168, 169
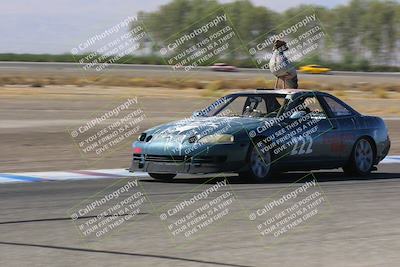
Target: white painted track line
98, 174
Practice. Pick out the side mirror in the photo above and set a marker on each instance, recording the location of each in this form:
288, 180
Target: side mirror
297, 115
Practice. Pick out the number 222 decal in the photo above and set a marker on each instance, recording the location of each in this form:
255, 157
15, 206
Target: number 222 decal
301, 150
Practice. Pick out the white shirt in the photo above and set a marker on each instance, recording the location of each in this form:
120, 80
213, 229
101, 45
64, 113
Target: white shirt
280, 65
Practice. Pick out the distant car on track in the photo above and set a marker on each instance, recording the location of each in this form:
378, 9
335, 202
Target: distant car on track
256, 133
223, 67
314, 69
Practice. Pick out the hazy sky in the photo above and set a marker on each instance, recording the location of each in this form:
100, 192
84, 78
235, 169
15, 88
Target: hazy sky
56, 26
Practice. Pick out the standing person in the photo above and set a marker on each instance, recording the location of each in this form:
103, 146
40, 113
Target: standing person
280, 66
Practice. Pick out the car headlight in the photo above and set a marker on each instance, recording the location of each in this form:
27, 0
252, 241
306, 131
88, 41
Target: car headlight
217, 139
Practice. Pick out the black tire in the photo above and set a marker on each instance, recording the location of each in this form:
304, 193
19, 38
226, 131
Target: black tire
258, 163
163, 176
361, 160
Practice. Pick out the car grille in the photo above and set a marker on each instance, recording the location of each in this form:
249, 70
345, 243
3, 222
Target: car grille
177, 159
158, 158
209, 159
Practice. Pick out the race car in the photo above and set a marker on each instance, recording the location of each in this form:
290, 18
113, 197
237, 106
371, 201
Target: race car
314, 69
223, 67
261, 132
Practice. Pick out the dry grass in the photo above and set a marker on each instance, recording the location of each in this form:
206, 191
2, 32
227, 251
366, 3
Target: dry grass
364, 102
208, 88
139, 82
37, 84
304, 84
340, 93
381, 92
393, 111
212, 88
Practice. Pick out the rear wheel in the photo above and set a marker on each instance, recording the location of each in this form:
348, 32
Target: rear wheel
361, 160
163, 176
259, 163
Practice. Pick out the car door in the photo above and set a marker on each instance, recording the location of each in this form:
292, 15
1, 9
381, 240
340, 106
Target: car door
341, 139
307, 131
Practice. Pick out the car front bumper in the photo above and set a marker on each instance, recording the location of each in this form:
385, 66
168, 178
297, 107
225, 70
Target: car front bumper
217, 158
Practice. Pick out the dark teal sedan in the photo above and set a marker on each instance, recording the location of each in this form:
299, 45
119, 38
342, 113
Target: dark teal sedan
256, 133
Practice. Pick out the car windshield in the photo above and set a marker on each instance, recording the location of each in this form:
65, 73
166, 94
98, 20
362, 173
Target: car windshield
251, 105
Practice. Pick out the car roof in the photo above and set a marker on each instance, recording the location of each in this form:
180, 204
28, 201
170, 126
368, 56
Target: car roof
262, 91
294, 93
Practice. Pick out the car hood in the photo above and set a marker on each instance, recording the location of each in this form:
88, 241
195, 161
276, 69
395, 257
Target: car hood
201, 126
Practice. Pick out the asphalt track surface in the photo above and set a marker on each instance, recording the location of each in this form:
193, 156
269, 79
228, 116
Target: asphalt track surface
132, 70
360, 228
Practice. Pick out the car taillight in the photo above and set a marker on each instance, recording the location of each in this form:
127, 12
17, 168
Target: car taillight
137, 150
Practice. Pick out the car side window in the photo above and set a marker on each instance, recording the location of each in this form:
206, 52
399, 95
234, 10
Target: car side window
313, 106
255, 106
235, 107
261, 105
337, 109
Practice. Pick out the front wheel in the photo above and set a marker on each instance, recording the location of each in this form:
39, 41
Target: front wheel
361, 160
259, 163
163, 176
